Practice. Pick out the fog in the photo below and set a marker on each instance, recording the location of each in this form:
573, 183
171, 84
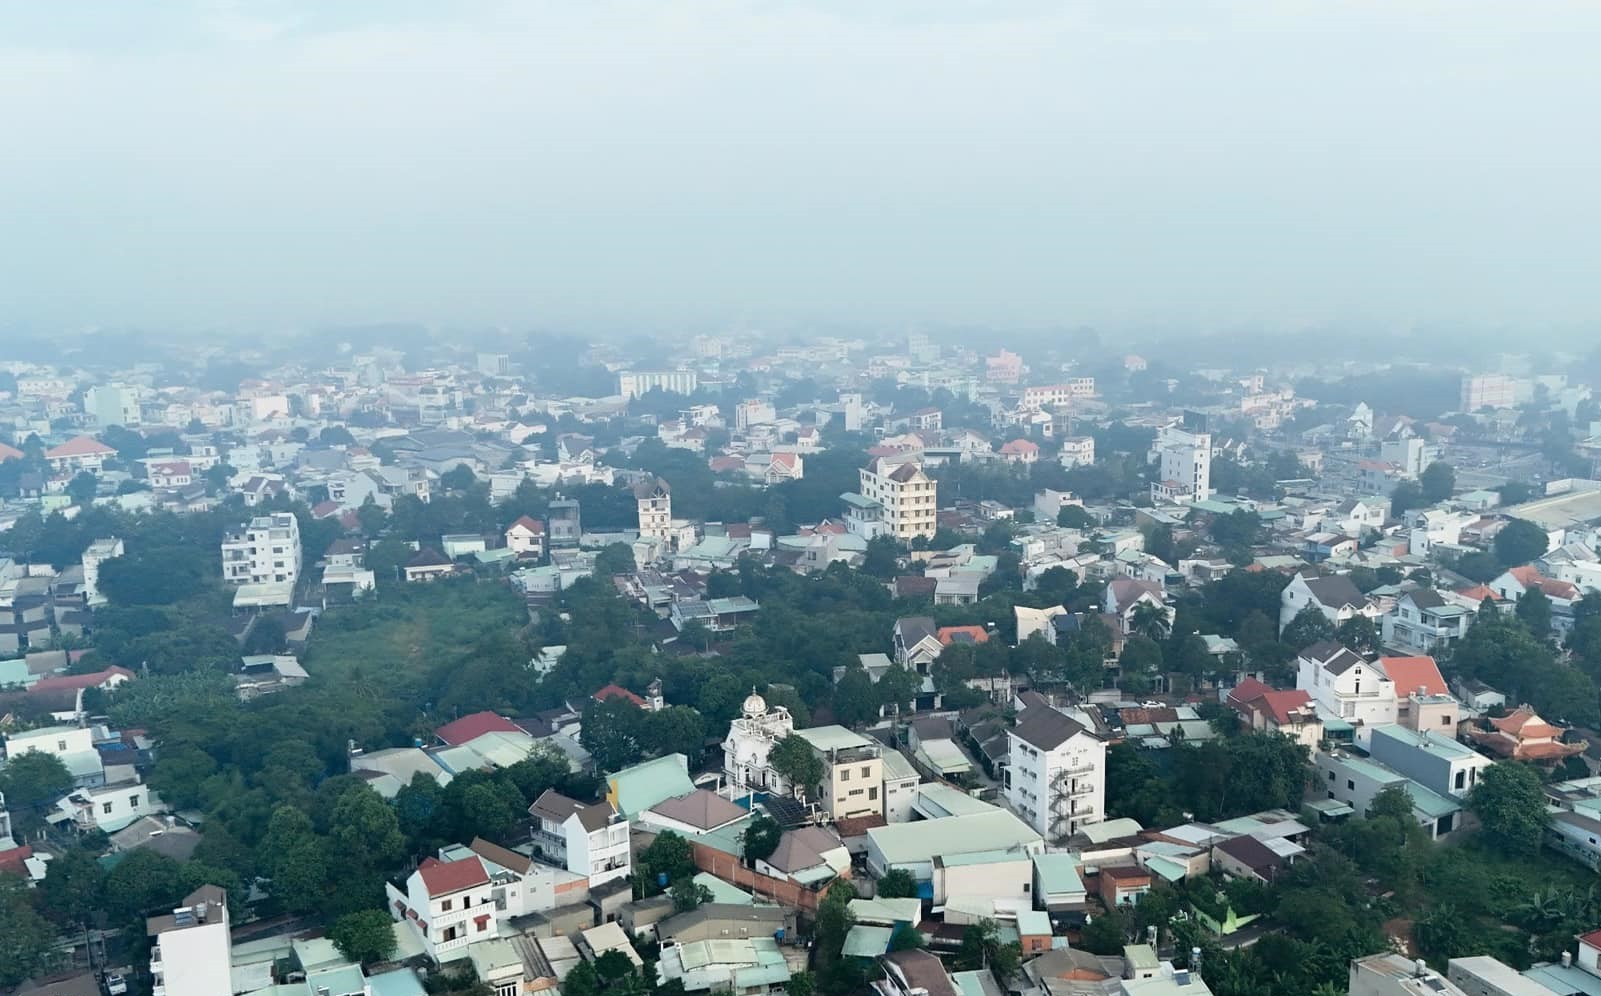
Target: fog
1185, 165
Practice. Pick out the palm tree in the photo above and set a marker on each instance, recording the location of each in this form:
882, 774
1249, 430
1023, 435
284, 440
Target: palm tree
1150, 621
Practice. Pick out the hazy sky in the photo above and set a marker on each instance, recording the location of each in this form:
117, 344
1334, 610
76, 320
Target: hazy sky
1185, 162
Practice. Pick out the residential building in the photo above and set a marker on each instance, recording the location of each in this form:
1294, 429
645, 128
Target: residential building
1020, 451
1391, 974
1482, 975
1437, 762
1333, 595
79, 453
906, 499
636, 383
754, 412
1522, 735
113, 404
1056, 773
1290, 712
1057, 395
264, 550
564, 521
853, 771
1424, 621
109, 807
1186, 465
740, 966
655, 501
192, 954
526, 537
448, 905
589, 839
1077, 451
95, 554
1345, 686
1480, 391
1356, 781
750, 739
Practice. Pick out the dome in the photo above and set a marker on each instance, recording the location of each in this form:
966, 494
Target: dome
754, 705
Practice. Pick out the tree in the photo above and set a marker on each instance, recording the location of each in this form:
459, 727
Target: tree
612, 731
266, 636
1358, 633
669, 855
1519, 542
295, 859
27, 941
1437, 482
1406, 496
618, 558
82, 488
365, 936
897, 883
1140, 660
1150, 621
1074, 517
882, 557
899, 687
761, 839
1534, 611
1308, 627
31, 782
675, 730
71, 892
687, 894
794, 758
1511, 807
458, 478
855, 698
1105, 934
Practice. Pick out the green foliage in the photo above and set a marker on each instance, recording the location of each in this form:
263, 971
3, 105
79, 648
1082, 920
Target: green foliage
1519, 542
794, 758
687, 894
613, 732
1074, 517
1308, 626
365, 936
897, 884
1500, 652
1105, 934
1510, 805
1358, 633
31, 783
27, 941
1406, 496
1437, 482
669, 854
760, 839
1534, 611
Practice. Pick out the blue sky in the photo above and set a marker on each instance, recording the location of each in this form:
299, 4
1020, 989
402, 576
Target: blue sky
1191, 164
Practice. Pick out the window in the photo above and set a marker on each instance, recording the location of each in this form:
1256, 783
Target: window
1445, 720
105, 807
1461, 779
444, 905
872, 794
61, 746
1350, 784
844, 774
133, 802
866, 772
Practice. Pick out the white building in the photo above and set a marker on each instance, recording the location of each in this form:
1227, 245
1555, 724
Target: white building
1410, 455
750, 739
526, 537
655, 510
1186, 465
265, 550
1077, 451
749, 413
107, 807
193, 954
589, 840
1057, 395
113, 404
636, 383
1346, 686
1056, 773
447, 904
906, 498
1391, 974
1488, 391
95, 554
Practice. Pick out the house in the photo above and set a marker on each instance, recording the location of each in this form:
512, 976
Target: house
694, 813
905, 498
1437, 762
108, 808
784, 467
81, 453
740, 966
522, 885
589, 840
1122, 598
1290, 712
1334, 595
853, 771
265, 550
917, 643
1076, 451
457, 545
1122, 885
428, 564
1355, 781
192, 953
1020, 451
473, 726
1346, 687
1056, 772
1391, 974
918, 846
1423, 621
750, 739
914, 972
1248, 857
811, 856
1512, 584
447, 905
1522, 735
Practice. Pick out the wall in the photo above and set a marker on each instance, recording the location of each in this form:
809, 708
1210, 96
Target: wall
728, 868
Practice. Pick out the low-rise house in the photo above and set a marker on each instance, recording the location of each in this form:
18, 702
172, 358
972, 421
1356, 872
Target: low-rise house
589, 839
1247, 857
1290, 712
914, 972
447, 906
427, 565
1423, 621
1356, 781
1122, 885
1437, 762
526, 537
1334, 595
1346, 687
1522, 735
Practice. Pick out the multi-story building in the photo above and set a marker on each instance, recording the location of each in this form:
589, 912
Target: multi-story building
1056, 773
1346, 686
906, 498
526, 537
655, 501
447, 904
95, 554
113, 404
1488, 391
192, 955
853, 771
264, 550
750, 740
1186, 465
635, 383
1077, 451
589, 840
1056, 395
1435, 760
1423, 621
1397, 975
749, 413
564, 521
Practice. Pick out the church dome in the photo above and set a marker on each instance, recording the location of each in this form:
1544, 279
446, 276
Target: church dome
754, 705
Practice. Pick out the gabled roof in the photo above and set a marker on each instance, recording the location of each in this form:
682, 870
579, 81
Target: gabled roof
533, 526
915, 629
476, 725
1335, 591
1247, 690
79, 446
1333, 657
504, 857
441, 878
1047, 729
78, 681
1280, 705
1414, 674
618, 692
803, 848
558, 808
429, 557
1425, 598
1253, 854
701, 809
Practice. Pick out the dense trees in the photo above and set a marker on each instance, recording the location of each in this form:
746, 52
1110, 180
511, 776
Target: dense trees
364, 936
794, 758
1519, 542
31, 782
27, 941
1437, 482
1511, 807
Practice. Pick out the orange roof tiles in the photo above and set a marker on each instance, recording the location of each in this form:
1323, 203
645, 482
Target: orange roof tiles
1414, 675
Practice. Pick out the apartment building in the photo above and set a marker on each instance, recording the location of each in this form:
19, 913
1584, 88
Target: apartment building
265, 550
655, 500
192, 954
853, 771
1056, 773
1186, 465
906, 499
1054, 395
636, 383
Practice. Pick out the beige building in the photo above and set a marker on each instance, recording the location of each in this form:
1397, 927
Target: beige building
655, 510
907, 498
853, 771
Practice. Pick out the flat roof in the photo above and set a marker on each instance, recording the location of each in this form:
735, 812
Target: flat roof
910, 843
833, 738
1564, 511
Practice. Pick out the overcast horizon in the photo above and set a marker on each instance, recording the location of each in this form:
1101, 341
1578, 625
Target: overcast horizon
661, 164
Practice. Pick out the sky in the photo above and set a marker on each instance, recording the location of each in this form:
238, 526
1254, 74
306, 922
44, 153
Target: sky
1182, 164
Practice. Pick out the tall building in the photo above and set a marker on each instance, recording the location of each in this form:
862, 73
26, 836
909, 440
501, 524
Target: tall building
264, 550
896, 499
1056, 773
655, 500
494, 364
97, 553
1488, 391
113, 404
635, 383
193, 955
1186, 471
853, 772
564, 521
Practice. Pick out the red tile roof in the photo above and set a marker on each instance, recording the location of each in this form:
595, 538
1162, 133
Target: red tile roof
1019, 446
1247, 690
441, 878
79, 681
618, 691
9, 453
79, 446
1411, 675
1280, 704
1593, 938
13, 860
476, 725
532, 525
951, 634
